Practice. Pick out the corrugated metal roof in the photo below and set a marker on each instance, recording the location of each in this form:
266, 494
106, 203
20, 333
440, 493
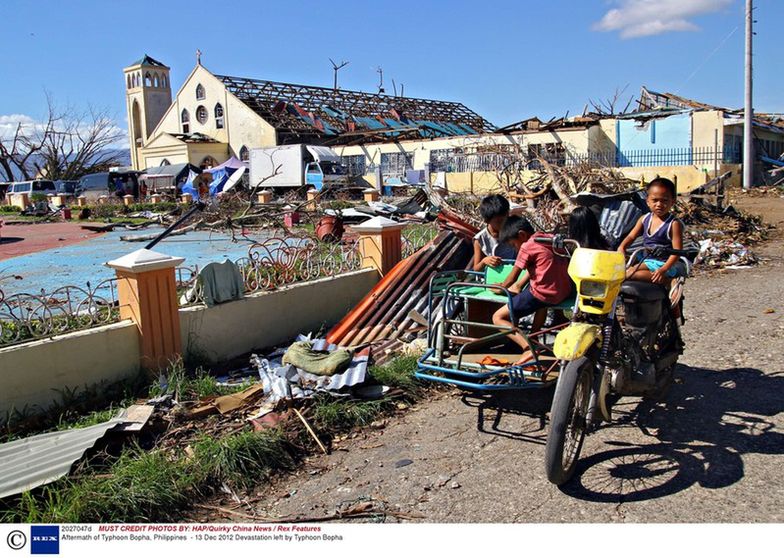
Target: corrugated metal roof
41, 459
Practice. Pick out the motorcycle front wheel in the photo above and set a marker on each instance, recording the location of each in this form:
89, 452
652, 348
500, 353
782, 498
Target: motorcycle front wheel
568, 420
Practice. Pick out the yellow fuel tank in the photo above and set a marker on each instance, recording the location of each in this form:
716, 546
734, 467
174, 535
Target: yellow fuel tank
598, 275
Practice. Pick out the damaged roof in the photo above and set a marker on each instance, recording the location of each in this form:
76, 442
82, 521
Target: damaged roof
302, 113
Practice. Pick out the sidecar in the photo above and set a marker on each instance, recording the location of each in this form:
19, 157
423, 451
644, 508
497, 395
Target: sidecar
466, 350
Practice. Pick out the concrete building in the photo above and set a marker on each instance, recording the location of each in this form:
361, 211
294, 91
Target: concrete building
213, 117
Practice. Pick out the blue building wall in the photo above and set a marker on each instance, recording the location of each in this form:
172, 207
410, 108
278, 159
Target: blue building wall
642, 145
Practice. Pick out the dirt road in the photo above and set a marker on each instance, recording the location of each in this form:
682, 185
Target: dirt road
710, 453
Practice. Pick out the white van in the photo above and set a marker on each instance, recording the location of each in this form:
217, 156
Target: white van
33, 187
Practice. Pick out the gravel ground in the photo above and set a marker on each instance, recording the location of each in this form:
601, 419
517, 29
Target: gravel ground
710, 453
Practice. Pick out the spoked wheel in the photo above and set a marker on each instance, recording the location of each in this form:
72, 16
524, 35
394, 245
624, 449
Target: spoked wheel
568, 420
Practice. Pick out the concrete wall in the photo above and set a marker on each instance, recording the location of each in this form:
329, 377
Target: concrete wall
31, 373
266, 319
688, 177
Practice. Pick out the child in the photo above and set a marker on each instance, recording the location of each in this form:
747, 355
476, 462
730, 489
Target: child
659, 229
546, 274
585, 229
487, 252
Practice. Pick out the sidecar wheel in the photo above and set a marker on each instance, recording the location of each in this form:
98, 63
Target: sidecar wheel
568, 420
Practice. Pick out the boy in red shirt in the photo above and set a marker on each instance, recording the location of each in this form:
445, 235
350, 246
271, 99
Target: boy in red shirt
546, 274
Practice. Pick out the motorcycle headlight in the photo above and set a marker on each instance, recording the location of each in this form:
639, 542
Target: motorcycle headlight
593, 289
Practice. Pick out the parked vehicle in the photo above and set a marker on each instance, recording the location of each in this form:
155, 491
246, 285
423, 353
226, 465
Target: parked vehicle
33, 187
624, 339
66, 186
296, 166
119, 184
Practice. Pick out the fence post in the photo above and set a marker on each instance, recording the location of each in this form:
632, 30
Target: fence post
147, 294
380, 243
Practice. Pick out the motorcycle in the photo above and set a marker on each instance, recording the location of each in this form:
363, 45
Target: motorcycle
624, 339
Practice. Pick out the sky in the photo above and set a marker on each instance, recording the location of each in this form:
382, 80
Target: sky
505, 59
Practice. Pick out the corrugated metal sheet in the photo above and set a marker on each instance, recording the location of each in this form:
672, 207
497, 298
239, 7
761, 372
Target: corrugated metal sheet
384, 312
617, 218
41, 459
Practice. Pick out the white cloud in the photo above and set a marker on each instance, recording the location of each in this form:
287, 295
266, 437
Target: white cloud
10, 122
643, 18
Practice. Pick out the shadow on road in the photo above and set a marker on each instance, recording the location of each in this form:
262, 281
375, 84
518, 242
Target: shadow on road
705, 427
532, 404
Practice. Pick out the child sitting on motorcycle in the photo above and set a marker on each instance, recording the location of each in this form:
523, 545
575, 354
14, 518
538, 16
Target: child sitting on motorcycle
659, 229
546, 274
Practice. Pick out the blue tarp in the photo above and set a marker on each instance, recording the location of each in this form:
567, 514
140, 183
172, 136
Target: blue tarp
219, 179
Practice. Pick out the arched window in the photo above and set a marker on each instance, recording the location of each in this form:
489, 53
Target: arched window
185, 120
244, 153
156, 81
128, 81
147, 80
164, 81
136, 124
165, 163
201, 114
218, 115
200, 92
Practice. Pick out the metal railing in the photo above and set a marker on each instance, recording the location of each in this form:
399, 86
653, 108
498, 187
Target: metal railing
29, 316
277, 262
442, 160
413, 237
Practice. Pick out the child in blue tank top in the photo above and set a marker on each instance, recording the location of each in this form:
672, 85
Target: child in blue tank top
659, 228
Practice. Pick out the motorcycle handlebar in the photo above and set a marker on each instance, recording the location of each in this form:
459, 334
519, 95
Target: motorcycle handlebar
557, 241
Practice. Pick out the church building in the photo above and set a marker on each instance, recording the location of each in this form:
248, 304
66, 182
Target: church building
214, 117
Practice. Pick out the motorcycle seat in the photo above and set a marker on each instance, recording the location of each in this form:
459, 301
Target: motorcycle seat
643, 291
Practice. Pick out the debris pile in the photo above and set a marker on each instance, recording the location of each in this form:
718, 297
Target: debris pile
724, 236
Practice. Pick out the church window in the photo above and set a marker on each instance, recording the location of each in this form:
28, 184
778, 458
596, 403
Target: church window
200, 92
244, 153
165, 163
201, 114
147, 80
156, 81
185, 119
218, 115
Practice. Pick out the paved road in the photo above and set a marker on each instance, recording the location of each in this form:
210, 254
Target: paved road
712, 452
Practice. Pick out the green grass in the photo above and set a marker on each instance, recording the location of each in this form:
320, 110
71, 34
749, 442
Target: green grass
186, 386
398, 373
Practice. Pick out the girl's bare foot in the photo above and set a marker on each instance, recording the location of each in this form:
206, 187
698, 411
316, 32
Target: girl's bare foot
525, 358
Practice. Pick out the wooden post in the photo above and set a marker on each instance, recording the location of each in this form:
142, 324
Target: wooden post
371, 194
265, 196
186, 198
58, 200
127, 200
380, 243
147, 294
81, 201
156, 198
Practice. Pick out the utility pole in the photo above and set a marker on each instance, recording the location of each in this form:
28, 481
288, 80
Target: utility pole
748, 110
335, 68
380, 80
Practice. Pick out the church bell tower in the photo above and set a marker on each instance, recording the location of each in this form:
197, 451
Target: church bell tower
148, 96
